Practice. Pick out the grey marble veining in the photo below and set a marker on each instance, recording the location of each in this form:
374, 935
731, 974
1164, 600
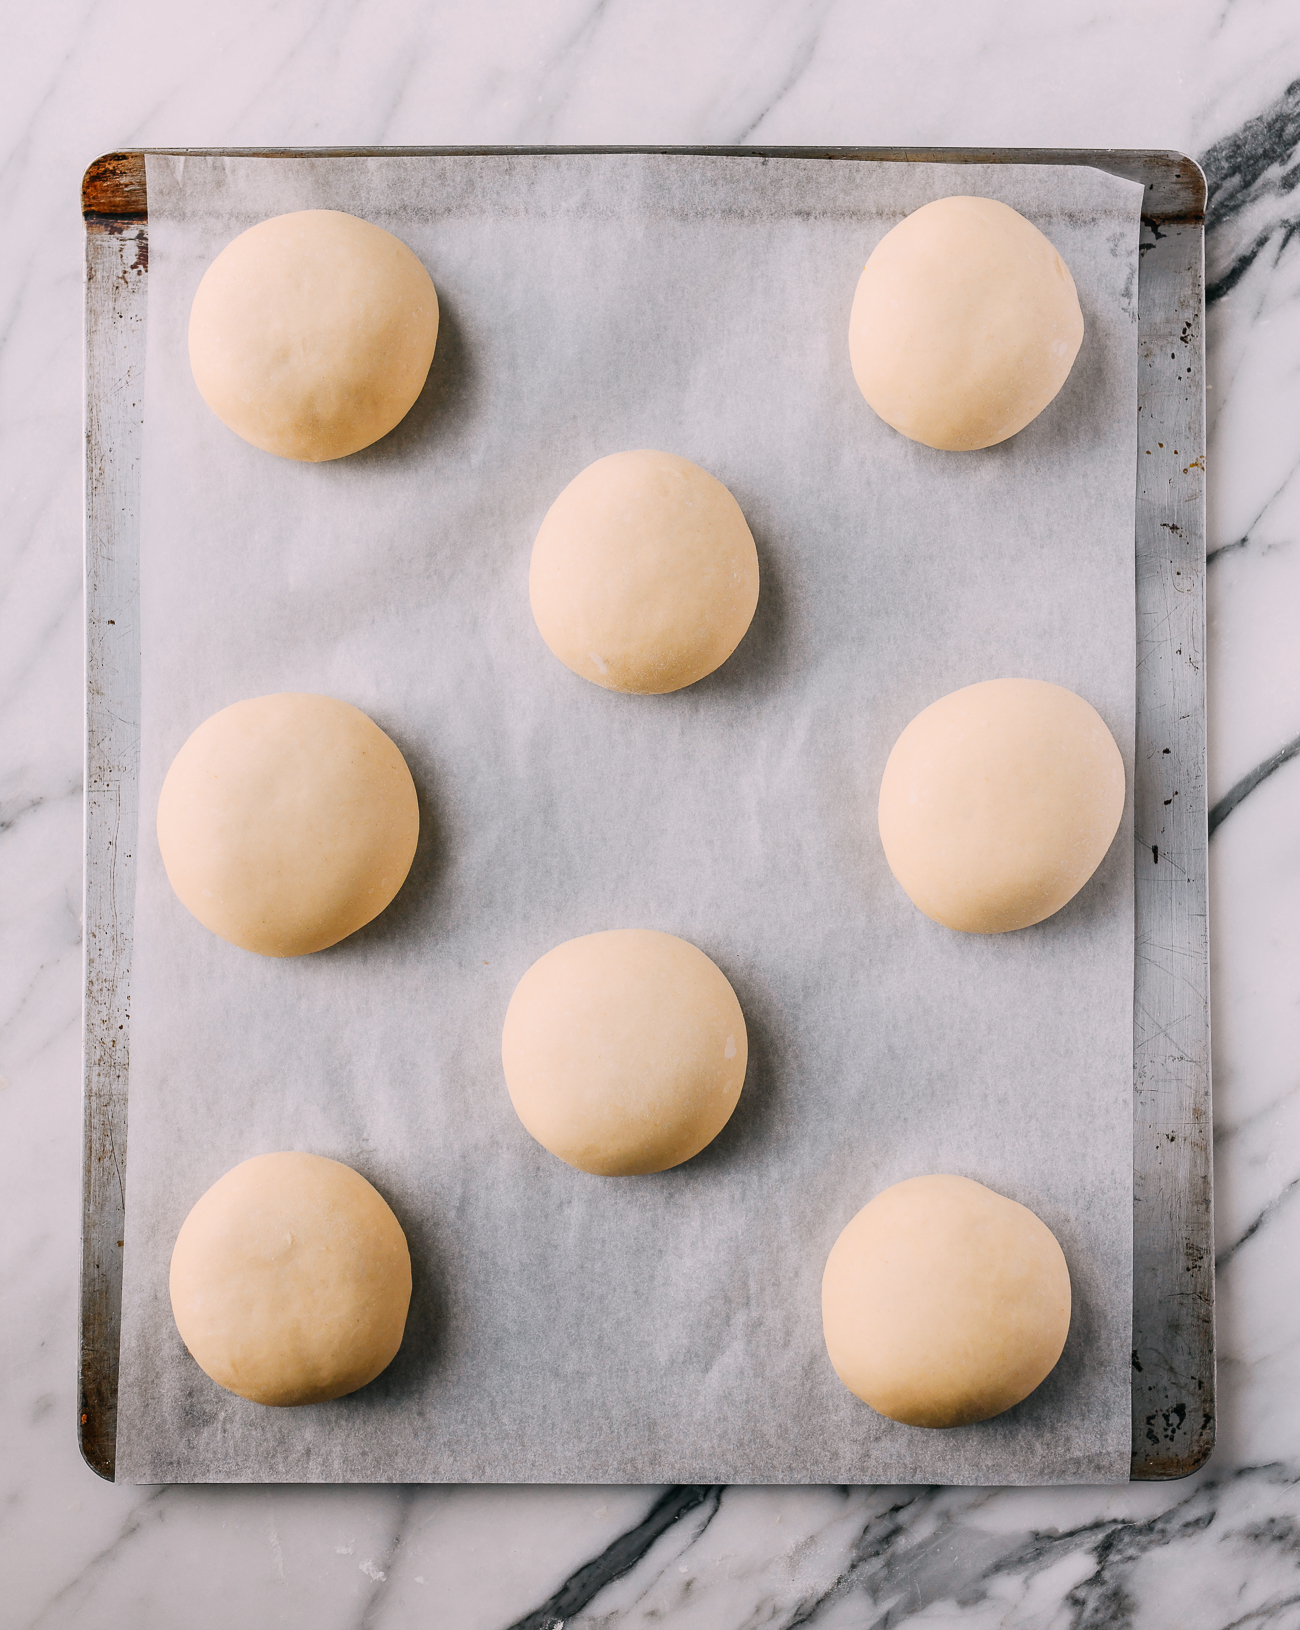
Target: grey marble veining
1219, 1551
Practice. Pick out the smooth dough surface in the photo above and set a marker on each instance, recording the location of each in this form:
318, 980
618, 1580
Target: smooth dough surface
290, 1280
311, 334
625, 1051
998, 803
965, 324
287, 822
644, 575
944, 1303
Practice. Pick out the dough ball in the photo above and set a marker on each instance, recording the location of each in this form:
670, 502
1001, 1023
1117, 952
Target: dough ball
965, 324
287, 823
644, 575
944, 1303
290, 1280
624, 1052
998, 803
311, 334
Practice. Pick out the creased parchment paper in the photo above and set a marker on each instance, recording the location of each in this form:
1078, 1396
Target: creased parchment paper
658, 1329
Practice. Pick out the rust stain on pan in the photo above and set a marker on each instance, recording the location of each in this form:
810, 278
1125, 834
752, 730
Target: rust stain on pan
113, 188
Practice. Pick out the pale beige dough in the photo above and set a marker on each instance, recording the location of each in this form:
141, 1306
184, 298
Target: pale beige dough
644, 575
311, 334
998, 803
944, 1303
290, 1280
965, 324
287, 822
624, 1052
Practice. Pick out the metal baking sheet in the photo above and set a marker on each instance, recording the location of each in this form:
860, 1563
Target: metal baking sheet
107, 933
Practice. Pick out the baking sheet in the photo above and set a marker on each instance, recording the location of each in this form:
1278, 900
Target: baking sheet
567, 1327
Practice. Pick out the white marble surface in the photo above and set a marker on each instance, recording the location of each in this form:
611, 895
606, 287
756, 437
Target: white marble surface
1210, 77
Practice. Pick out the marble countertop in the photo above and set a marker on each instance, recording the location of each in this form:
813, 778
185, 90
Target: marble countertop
1219, 79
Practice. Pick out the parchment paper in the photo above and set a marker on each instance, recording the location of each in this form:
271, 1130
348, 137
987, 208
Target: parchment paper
566, 1327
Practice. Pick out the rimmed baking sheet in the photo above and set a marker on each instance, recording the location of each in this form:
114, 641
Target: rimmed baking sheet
658, 1469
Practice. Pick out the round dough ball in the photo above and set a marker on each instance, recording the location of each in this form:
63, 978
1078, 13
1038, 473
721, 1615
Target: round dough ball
944, 1303
624, 1052
998, 803
290, 1280
287, 822
644, 574
311, 334
965, 324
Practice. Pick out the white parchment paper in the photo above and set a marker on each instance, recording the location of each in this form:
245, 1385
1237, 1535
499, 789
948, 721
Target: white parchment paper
566, 1327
